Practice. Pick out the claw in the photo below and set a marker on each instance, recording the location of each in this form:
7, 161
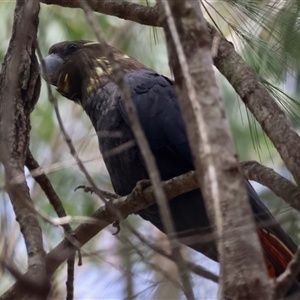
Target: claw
116, 224
141, 185
138, 190
86, 189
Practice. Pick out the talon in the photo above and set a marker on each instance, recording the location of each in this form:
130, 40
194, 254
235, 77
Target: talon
116, 224
141, 185
138, 190
86, 189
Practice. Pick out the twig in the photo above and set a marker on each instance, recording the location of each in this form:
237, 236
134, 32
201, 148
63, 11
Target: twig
67, 138
70, 280
48, 189
195, 268
125, 205
164, 210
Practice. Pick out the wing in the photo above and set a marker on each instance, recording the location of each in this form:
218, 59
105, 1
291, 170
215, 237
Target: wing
159, 113
156, 102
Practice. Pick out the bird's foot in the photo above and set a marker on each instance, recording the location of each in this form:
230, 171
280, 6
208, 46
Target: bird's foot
139, 190
140, 186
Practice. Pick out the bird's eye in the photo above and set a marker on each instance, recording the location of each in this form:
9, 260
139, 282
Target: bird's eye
72, 48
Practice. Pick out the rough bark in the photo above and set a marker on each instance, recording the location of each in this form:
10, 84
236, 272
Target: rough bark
19, 91
214, 155
279, 185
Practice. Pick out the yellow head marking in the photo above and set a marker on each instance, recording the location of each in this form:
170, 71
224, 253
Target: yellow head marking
99, 71
109, 70
66, 86
63, 85
92, 85
91, 43
102, 60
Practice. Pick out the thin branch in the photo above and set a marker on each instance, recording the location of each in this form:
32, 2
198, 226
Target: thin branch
118, 77
67, 138
70, 279
195, 268
164, 210
125, 205
55, 201
48, 189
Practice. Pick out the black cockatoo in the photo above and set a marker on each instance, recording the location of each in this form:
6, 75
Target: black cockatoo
81, 73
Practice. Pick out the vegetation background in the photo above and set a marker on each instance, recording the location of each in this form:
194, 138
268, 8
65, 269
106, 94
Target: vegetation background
265, 33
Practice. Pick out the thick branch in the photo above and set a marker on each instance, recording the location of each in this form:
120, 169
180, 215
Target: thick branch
259, 101
105, 216
281, 186
19, 91
122, 9
231, 65
215, 159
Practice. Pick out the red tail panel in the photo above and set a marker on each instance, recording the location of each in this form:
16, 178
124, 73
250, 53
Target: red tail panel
277, 255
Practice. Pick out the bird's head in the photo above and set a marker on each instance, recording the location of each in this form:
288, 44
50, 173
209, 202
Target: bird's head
79, 68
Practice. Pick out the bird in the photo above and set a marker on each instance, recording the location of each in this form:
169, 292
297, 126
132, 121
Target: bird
82, 73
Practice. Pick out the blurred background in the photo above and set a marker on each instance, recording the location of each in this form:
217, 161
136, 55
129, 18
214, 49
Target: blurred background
265, 33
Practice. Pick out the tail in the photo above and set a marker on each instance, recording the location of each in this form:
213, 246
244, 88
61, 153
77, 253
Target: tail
278, 247
277, 256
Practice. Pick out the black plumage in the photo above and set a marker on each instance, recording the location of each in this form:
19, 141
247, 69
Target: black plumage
81, 73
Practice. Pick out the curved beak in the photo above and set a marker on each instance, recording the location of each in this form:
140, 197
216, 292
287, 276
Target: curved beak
49, 67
